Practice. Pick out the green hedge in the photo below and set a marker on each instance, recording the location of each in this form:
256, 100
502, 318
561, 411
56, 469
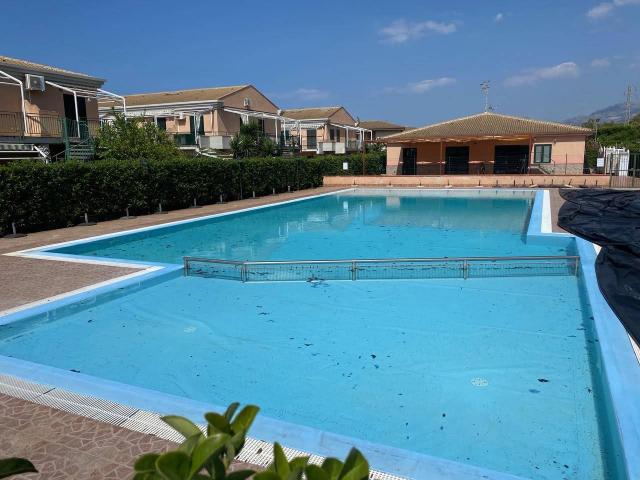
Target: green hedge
38, 196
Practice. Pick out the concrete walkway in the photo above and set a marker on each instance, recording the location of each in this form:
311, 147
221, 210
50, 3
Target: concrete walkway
25, 280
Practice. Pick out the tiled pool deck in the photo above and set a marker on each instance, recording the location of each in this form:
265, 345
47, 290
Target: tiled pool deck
61, 444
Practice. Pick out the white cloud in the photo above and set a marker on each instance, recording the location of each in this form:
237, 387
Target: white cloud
422, 86
600, 62
499, 17
401, 31
303, 94
562, 70
605, 8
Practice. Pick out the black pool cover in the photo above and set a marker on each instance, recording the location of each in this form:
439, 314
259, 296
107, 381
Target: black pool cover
611, 219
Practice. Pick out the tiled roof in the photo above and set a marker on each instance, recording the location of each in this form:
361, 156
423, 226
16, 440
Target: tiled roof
310, 113
488, 124
25, 64
193, 95
380, 125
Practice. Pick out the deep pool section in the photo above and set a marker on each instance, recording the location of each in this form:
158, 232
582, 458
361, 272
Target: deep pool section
497, 373
344, 226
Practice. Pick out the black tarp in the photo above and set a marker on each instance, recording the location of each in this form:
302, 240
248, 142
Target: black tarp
611, 219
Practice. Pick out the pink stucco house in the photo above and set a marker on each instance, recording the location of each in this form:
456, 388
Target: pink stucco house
487, 143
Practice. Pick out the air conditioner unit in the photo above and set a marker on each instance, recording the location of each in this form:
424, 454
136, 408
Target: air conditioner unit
35, 82
247, 102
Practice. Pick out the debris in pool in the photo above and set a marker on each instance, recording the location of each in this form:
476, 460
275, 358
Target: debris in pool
377, 366
444, 415
90, 321
479, 382
74, 370
533, 390
263, 313
373, 355
308, 344
543, 380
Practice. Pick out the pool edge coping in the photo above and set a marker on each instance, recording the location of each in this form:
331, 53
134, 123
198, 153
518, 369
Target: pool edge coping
616, 364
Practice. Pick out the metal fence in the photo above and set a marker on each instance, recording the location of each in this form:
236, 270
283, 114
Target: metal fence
623, 170
381, 269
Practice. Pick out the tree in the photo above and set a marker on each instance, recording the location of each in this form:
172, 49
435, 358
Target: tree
133, 139
251, 141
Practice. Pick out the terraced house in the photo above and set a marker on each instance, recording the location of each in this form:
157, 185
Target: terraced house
203, 119
47, 112
324, 130
487, 143
382, 128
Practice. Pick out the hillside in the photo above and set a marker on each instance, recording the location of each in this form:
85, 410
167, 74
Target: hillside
611, 114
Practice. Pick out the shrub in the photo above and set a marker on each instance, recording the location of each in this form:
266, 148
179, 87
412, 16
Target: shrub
126, 138
208, 455
38, 196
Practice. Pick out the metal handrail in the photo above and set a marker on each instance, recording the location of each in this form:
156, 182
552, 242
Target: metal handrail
356, 267
379, 260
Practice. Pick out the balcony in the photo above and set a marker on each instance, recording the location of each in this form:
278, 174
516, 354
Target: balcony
46, 126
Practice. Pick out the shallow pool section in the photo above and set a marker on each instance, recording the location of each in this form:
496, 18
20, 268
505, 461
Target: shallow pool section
395, 224
496, 373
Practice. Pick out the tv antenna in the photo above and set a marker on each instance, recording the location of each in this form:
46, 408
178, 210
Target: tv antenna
485, 86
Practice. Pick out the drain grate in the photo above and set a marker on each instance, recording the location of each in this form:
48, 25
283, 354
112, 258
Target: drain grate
256, 452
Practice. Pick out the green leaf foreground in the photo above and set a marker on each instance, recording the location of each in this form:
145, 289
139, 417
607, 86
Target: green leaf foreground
209, 454
15, 466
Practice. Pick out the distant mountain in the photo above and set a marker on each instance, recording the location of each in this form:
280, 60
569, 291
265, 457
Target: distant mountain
612, 114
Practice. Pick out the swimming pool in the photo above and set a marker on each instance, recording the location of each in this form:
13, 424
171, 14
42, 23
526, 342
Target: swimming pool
503, 374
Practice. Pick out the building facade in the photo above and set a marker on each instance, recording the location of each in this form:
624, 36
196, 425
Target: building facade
381, 128
47, 112
488, 143
323, 130
203, 119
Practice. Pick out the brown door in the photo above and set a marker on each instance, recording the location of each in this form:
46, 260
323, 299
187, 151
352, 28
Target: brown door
409, 160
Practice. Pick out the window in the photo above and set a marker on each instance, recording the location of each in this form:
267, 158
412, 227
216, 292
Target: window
332, 134
162, 123
337, 135
542, 153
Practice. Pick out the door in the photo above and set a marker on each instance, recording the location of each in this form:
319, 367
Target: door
510, 159
311, 138
409, 160
70, 115
456, 161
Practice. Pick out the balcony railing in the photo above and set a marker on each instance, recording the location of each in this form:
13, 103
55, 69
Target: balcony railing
46, 126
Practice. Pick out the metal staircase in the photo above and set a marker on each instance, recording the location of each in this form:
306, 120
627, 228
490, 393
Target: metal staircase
81, 151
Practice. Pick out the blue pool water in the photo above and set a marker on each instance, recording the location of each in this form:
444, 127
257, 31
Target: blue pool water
343, 227
498, 373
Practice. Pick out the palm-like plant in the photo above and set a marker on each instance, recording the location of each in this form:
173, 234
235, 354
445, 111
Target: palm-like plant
250, 141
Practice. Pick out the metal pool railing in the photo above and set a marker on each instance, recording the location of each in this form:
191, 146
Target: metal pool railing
381, 269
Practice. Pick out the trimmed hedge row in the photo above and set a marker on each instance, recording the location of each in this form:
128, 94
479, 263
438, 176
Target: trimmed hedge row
37, 196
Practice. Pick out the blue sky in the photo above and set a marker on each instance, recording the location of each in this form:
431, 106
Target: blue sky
413, 62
